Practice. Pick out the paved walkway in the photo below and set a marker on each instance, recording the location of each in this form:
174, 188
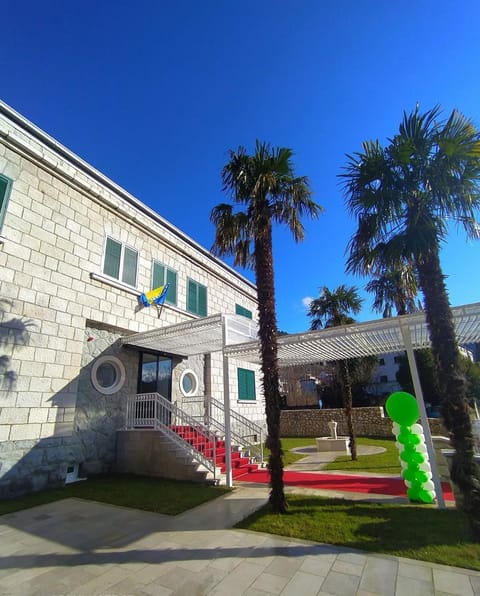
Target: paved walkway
83, 548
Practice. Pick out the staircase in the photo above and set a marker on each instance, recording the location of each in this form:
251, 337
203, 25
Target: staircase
189, 437
216, 451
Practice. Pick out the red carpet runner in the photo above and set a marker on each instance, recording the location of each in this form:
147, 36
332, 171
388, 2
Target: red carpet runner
341, 482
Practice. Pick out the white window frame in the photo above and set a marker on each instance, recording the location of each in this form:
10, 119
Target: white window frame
123, 245
165, 277
119, 382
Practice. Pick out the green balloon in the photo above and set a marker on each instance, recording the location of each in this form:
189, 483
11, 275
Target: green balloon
413, 493
426, 496
407, 456
403, 438
402, 408
409, 473
413, 439
421, 477
416, 458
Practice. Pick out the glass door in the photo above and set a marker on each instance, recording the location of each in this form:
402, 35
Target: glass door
155, 376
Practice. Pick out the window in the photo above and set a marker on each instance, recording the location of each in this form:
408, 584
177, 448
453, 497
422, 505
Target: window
108, 374
246, 384
196, 298
188, 383
120, 262
384, 379
5, 186
381, 362
240, 310
162, 275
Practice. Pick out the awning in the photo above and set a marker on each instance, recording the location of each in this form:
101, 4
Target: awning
200, 336
205, 335
361, 339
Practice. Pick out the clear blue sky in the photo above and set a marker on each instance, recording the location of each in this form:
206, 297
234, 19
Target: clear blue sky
155, 93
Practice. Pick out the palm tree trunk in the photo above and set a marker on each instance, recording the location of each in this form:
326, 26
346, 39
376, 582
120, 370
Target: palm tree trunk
268, 347
453, 400
347, 404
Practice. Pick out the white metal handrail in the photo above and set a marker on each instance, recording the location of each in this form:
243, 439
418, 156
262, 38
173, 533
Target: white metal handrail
152, 410
244, 432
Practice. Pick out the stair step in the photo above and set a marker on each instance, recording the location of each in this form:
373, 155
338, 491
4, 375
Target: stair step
240, 465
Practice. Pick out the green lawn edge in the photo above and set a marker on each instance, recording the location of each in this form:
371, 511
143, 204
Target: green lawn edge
418, 532
158, 495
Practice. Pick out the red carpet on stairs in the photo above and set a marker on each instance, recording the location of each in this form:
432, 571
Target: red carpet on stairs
341, 482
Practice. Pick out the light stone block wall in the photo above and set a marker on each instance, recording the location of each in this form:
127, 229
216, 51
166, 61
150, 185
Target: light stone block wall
52, 287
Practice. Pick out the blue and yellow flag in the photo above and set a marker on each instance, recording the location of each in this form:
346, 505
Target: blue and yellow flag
156, 296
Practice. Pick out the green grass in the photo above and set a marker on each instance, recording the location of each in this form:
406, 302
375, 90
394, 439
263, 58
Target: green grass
150, 494
289, 457
417, 532
381, 463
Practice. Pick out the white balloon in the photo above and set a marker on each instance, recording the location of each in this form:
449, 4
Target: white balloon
425, 467
428, 485
399, 446
417, 429
396, 428
422, 448
408, 483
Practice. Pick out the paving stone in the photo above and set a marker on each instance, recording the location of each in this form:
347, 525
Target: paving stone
340, 584
268, 582
379, 575
239, 580
415, 571
409, 586
452, 582
302, 583
284, 566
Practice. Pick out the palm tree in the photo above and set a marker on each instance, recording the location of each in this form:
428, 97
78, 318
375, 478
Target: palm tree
265, 184
394, 288
404, 195
332, 309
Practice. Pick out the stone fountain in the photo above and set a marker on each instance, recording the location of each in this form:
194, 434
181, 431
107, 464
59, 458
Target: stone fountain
333, 442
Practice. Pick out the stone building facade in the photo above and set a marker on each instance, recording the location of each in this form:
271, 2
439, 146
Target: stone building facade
76, 251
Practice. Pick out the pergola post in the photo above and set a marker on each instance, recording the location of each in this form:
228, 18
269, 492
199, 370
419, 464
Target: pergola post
226, 405
407, 340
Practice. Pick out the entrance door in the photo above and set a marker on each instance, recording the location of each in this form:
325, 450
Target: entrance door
155, 376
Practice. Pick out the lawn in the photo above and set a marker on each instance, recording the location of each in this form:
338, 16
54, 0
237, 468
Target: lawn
417, 532
381, 463
150, 494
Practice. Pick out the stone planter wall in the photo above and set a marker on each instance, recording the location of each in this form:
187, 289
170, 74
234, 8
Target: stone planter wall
369, 422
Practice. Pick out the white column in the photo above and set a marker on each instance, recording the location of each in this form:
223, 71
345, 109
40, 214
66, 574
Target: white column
407, 340
226, 405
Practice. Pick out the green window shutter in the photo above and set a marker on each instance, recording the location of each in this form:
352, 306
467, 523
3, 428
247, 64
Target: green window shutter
130, 267
172, 290
196, 298
202, 300
113, 253
5, 184
192, 296
246, 384
240, 310
158, 275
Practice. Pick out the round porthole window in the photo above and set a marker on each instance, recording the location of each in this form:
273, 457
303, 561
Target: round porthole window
189, 383
108, 374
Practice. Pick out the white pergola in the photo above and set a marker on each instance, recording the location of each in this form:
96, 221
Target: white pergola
236, 337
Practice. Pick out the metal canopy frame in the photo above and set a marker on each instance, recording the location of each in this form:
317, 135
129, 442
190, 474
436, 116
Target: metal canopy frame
236, 337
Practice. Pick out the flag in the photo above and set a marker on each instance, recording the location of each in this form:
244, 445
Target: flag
156, 296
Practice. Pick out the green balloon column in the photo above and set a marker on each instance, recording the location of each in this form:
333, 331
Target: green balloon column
403, 409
